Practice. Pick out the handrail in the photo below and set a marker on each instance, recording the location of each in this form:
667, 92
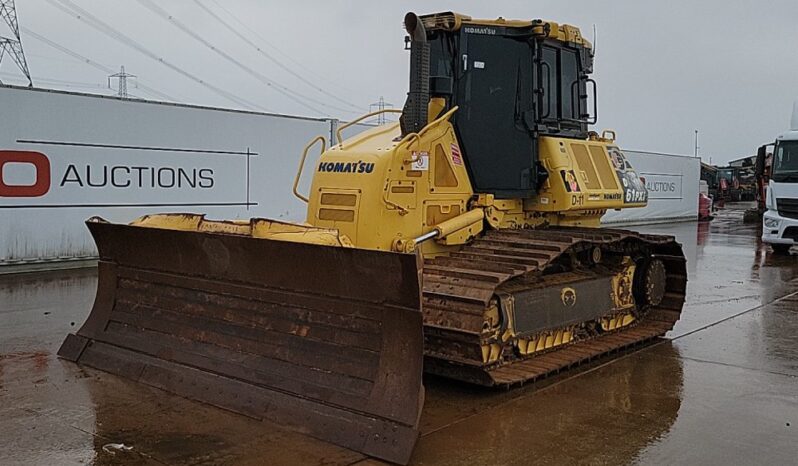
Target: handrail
593, 118
438, 120
605, 134
402, 210
339, 131
417, 136
407, 140
302, 165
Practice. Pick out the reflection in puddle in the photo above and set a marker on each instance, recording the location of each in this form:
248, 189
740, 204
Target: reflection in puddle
628, 404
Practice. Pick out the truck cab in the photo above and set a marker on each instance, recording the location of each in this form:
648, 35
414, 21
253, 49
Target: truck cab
780, 221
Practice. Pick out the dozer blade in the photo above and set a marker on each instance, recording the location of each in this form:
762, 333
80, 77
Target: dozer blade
325, 340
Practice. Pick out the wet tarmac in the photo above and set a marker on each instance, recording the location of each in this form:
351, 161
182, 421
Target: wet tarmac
721, 389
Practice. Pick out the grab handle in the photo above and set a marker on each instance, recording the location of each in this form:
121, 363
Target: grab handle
339, 132
302, 165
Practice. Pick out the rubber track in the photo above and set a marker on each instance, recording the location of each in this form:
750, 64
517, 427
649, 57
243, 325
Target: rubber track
458, 287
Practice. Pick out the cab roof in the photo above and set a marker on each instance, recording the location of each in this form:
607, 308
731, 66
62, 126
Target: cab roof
451, 21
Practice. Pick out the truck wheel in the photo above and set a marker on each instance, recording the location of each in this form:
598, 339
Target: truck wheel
781, 249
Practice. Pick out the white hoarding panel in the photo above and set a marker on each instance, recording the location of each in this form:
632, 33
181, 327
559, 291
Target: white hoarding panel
66, 157
672, 183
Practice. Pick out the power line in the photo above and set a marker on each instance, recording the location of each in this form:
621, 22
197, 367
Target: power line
74, 84
90, 62
13, 45
83, 15
276, 49
61, 82
293, 95
159, 11
50, 57
271, 58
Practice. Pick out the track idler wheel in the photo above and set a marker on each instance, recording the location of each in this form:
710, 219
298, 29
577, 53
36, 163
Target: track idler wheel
650, 282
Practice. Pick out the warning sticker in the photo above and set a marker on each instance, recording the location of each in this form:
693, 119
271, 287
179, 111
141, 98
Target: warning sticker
420, 161
457, 159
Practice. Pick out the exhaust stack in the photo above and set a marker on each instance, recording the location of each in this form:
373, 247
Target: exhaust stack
414, 113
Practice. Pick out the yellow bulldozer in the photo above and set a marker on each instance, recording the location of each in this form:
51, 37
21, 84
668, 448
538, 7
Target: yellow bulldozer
463, 240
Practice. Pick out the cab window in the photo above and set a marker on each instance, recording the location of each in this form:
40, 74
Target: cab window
559, 75
550, 84
569, 72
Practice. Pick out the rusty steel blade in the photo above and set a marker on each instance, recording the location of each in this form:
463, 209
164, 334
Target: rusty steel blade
325, 340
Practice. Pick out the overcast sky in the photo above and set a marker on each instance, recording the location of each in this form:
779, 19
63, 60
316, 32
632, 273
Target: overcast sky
727, 68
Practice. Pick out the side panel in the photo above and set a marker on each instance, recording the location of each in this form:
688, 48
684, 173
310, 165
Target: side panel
375, 193
124, 158
587, 176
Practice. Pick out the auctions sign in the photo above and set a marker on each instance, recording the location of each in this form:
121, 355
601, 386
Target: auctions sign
40, 164
14, 164
663, 185
37, 179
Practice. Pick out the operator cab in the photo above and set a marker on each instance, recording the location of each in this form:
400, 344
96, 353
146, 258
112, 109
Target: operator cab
785, 162
780, 221
513, 82
784, 185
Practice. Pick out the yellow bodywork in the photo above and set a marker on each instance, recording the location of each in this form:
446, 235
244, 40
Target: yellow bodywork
381, 190
255, 227
543, 341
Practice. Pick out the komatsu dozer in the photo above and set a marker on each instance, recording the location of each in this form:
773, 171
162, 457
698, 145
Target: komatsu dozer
463, 240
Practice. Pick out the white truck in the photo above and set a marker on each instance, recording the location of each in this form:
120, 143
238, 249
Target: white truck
780, 221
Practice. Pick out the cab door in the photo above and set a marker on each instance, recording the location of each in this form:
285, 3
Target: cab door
494, 93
